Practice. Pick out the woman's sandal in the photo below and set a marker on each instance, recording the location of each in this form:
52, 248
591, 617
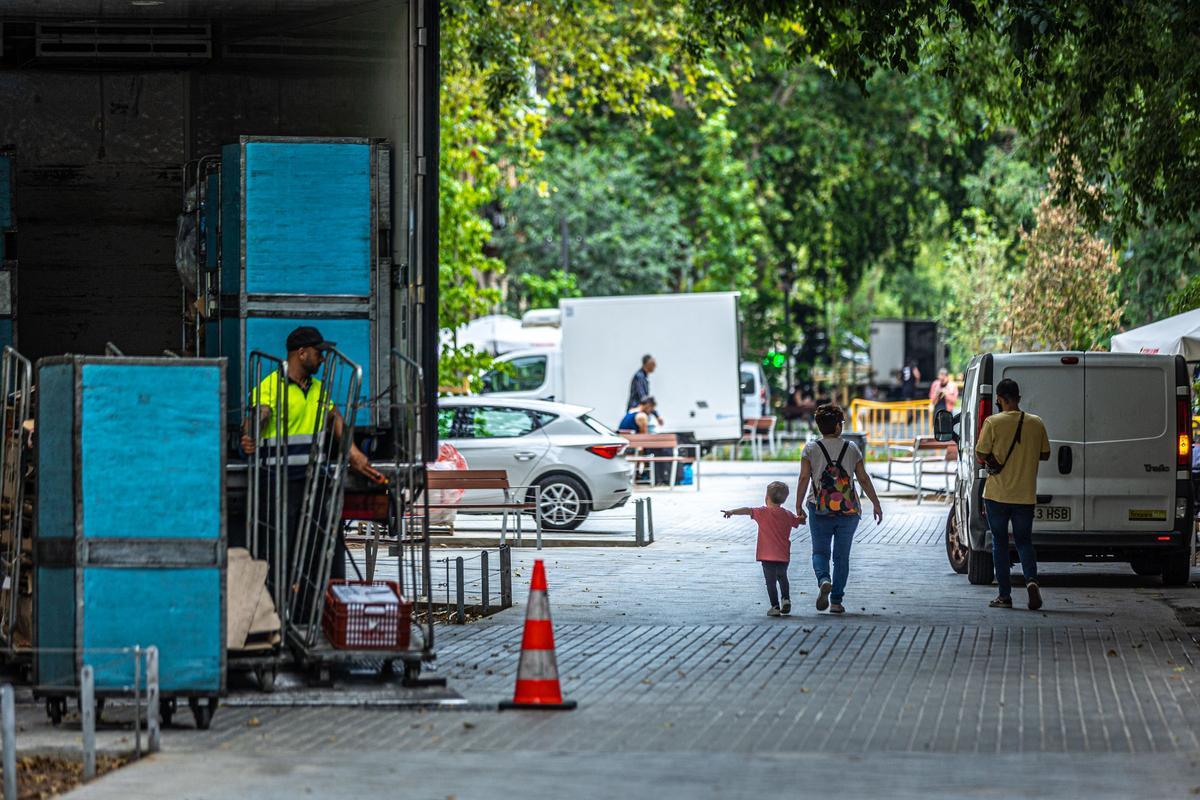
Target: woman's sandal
1001, 602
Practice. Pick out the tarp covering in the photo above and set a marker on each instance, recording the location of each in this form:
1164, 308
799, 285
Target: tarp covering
1178, 335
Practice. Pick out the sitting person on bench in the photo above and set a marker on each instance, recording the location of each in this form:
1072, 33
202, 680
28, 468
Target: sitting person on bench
643, 418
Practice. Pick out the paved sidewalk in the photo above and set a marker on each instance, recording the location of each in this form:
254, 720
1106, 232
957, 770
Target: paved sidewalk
687, 689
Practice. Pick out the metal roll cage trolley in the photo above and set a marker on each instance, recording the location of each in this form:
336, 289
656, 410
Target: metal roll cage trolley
306, 561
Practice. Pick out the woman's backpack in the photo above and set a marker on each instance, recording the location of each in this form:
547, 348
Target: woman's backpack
834, 491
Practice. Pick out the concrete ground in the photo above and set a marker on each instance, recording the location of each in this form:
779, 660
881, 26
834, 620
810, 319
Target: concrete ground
687, 689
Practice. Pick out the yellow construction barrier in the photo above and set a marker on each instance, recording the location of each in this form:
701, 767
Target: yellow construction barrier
890, 425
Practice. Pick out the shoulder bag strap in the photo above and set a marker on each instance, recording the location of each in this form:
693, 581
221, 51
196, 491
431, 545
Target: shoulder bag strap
1016, 438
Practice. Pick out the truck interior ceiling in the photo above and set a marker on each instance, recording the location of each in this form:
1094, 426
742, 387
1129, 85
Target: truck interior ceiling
106, 101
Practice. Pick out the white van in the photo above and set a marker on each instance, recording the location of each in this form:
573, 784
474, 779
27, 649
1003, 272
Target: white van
756, 395
1117, 486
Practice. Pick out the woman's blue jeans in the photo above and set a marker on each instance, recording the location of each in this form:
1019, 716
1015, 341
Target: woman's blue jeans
832, 535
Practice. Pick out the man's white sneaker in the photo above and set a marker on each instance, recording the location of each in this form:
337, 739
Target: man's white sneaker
785, 607
773, 612
823, 596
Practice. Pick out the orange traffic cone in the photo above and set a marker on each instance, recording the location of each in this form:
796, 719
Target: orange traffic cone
537, 671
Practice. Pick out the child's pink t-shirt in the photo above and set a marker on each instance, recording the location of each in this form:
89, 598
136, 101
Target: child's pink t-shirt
774, 532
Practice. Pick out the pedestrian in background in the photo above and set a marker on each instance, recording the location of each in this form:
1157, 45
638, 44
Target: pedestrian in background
1010, 491
909, 376
827, 499
943, 393
775, 524
639, 386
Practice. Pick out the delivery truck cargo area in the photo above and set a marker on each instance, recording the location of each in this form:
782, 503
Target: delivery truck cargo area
694, 339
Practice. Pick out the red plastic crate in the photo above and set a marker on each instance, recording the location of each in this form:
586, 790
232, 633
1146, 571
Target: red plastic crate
374, 625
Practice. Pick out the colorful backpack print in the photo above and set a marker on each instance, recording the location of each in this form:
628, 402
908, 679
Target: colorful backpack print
834, 490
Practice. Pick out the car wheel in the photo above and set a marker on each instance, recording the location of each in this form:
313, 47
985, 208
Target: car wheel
979, 567
1177, 569
1146, 566
564, 503
955, 550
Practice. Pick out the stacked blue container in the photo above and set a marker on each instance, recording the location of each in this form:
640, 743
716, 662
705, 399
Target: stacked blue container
129, 548
303, 224
8, 255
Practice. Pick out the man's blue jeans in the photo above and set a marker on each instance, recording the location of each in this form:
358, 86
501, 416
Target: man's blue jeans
1021, 516
832, 532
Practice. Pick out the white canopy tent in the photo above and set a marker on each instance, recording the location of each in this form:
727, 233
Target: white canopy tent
499, 334
1178, 335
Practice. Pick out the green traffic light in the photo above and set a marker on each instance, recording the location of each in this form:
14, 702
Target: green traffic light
777, 360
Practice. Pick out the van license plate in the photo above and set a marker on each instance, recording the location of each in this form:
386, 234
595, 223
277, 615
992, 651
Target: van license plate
1051, 513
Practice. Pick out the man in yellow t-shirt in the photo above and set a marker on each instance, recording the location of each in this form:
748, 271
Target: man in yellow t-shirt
1010, 445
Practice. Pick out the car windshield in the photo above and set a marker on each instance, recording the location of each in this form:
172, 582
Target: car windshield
597, 425
518, 375
747, 383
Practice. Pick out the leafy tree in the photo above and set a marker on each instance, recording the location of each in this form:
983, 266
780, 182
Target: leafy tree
1109, 83
623, 236
1065, 298
536, 291
977, 264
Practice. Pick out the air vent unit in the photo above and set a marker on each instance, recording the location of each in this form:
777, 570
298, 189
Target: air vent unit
89, 41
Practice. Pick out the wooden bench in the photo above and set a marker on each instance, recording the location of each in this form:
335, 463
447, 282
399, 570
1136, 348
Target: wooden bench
641, 442
488, 480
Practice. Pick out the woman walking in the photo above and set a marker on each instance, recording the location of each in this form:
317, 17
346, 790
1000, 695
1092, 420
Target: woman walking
830, 504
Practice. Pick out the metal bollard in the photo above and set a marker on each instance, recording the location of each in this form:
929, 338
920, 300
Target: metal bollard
639, 522
153, 729
650, 520
483, 574
87, 707
8, 721
459, 585
137, 701
505, 577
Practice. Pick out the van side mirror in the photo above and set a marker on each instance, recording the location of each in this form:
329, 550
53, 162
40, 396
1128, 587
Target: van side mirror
944, 424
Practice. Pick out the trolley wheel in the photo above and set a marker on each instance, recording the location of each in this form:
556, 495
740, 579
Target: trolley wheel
202, 712
166, 710
56, 709
266, 678
412, 672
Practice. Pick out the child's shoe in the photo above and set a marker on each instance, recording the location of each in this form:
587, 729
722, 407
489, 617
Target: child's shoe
774, 612
785, 607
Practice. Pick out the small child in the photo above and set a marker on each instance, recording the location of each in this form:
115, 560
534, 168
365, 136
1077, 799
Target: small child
775, 525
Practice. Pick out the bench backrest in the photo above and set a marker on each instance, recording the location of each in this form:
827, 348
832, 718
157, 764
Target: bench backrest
929, 443
654, 440
760, 424
466, 479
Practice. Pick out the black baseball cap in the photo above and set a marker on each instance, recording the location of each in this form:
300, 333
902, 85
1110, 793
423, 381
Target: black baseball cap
307, 336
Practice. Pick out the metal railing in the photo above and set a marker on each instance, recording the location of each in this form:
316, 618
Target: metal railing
16, 383
144, 688
891, 424
481, 583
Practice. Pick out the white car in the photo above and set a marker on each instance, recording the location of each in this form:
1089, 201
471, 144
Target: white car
578, 462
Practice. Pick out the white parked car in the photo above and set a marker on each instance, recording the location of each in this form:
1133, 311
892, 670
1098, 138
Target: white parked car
756, 395
578, 462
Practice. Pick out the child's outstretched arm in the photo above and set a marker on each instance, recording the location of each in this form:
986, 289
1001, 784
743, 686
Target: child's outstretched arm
741, 512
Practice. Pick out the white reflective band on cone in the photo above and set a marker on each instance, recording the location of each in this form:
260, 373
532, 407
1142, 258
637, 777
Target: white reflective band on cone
539, 606
537, 665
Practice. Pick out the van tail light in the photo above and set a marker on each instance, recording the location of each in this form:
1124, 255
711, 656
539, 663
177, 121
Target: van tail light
984, 411
1183, 433
607, 450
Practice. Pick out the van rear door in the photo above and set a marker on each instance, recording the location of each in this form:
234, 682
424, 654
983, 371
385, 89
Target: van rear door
1130, 435
1053, 386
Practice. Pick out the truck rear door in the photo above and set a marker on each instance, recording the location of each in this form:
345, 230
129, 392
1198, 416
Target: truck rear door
1053, 387
1130, 442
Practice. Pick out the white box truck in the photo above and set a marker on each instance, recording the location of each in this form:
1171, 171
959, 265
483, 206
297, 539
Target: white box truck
895, 342
693, 338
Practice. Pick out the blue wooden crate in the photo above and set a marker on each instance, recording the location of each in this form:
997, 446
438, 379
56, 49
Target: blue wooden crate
302, 223
129, 545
